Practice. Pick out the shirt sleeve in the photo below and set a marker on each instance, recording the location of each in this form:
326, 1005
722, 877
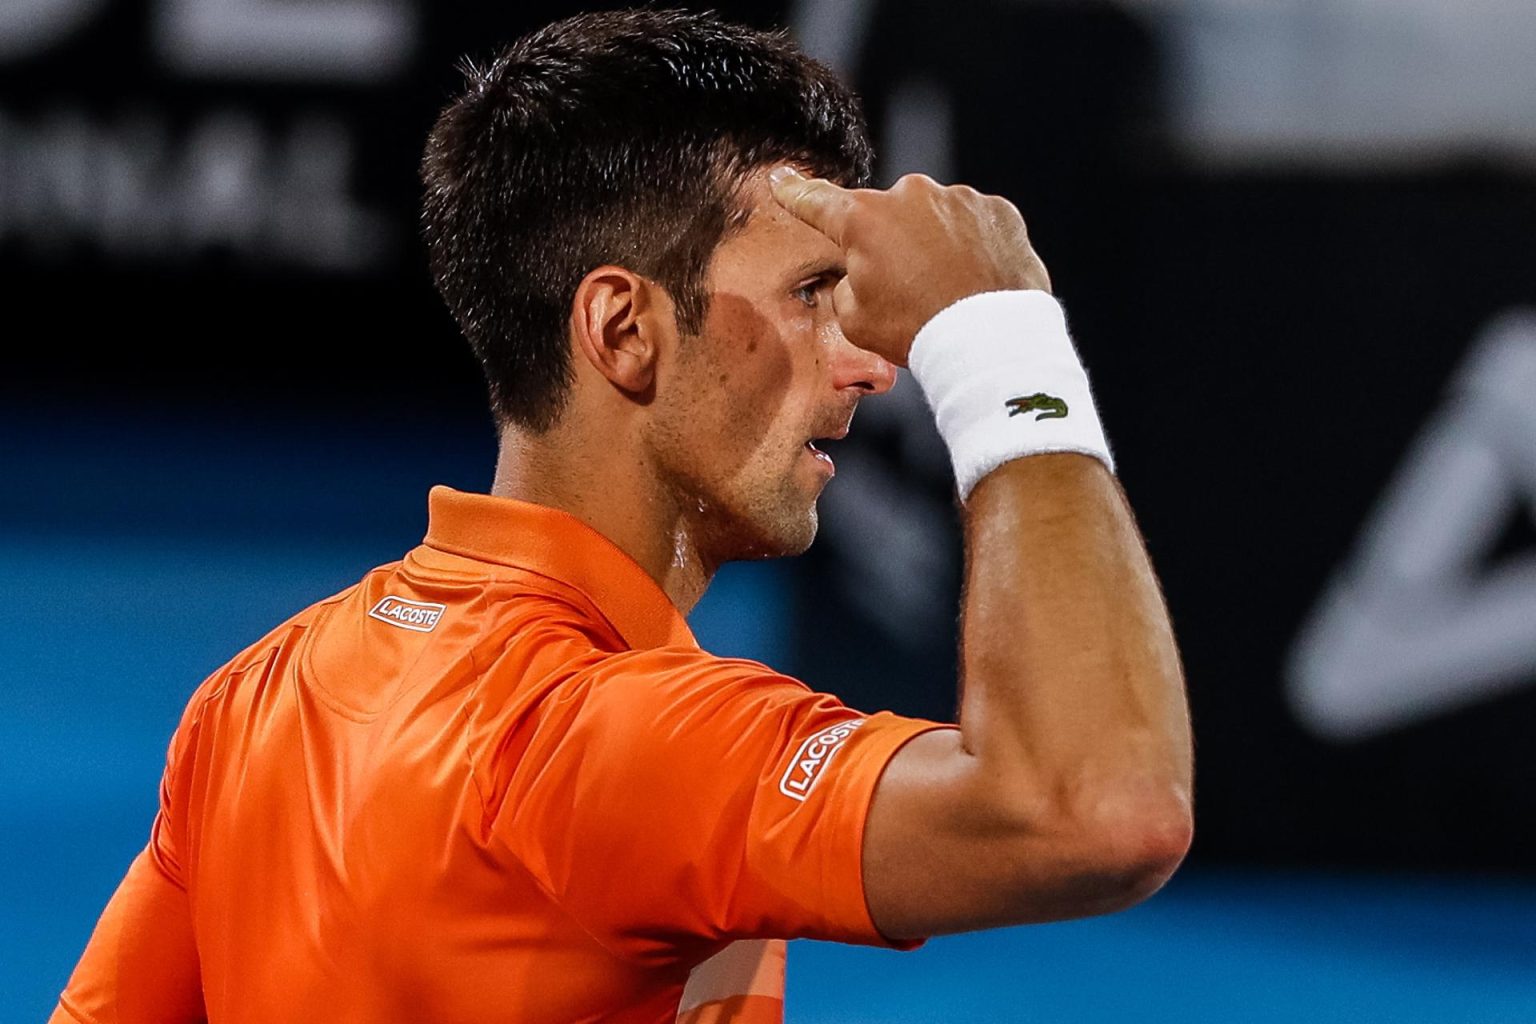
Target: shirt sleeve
141, 964
669, 796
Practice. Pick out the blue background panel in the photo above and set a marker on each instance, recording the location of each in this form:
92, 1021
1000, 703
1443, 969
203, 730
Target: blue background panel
135, 561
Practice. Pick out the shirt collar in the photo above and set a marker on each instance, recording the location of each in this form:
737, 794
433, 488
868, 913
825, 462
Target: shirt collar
558, 545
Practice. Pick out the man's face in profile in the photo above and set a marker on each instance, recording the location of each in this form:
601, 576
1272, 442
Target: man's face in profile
769, 371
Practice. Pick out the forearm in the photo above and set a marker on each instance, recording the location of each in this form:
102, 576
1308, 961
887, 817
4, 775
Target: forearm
1067, 789
1072, 690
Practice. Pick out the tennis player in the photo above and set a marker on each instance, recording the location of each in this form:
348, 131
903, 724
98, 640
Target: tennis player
498, 780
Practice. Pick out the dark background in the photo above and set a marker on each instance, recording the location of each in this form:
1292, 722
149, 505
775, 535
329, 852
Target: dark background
1270, 338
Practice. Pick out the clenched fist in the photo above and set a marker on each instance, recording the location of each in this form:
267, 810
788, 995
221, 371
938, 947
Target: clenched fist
910, 251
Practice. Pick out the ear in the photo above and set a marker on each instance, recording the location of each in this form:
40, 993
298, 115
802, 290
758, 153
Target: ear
619, 320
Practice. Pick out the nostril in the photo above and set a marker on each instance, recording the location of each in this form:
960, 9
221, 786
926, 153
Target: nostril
866, 371
883, 377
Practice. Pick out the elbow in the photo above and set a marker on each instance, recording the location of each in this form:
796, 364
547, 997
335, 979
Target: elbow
1129, 855
1140, 854
1103, 860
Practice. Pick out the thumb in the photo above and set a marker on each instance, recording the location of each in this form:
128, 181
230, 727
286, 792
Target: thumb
818, 202
845, 306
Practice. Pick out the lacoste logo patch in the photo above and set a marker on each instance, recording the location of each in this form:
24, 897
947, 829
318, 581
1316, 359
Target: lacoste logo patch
415, 615
811, 760
1049, 406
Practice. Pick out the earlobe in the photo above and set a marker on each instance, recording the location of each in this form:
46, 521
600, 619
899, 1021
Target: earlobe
614, 328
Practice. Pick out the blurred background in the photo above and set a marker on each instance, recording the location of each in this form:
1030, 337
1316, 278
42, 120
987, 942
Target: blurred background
1297, 242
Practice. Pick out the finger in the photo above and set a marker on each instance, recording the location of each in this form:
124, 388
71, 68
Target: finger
845, 307
844, 304
818, 202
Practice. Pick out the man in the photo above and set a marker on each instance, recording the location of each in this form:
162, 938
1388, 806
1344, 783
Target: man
498, 780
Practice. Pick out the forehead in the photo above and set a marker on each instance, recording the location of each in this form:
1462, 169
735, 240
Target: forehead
772, 240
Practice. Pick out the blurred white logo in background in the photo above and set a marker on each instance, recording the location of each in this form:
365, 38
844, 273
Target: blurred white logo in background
356, 40
1312, 82
1415, 624
136, 185
1341, 82
136, 177
893, 541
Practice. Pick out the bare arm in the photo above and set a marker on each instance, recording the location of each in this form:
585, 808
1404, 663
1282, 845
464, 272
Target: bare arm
1066, 792
1067, 789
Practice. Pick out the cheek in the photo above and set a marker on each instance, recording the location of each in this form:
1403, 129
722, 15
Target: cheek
752, 364
829, 336
743, 340
744, 388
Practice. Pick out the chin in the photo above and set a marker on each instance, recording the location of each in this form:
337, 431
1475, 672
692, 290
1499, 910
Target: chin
784, 531
802, 539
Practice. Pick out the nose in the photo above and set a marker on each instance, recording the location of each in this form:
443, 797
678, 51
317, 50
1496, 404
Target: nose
857, 367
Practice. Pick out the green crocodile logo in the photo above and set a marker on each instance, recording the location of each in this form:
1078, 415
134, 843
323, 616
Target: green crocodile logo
1049, 406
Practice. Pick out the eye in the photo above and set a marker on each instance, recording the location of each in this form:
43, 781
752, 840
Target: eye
806, 293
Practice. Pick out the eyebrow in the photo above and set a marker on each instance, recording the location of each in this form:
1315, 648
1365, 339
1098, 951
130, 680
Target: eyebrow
821, 266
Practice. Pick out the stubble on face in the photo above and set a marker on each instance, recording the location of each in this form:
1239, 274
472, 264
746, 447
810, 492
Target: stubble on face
729, 455
730, 443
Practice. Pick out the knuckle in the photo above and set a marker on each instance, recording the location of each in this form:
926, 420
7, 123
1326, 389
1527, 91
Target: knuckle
915, 180
858, 215
1004, 209
811, 193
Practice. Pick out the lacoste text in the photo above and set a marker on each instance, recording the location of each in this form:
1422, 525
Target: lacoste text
811, 761
417, 615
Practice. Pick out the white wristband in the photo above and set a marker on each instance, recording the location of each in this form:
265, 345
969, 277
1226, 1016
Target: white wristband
1003, 381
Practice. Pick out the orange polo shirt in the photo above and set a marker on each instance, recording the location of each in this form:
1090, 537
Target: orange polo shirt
495, 781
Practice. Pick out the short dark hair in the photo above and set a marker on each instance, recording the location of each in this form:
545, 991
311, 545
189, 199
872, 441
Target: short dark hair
612, 137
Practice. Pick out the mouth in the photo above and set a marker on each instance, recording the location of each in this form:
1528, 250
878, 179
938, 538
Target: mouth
821, 456
829, 440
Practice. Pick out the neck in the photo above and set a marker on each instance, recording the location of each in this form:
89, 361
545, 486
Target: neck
618, 495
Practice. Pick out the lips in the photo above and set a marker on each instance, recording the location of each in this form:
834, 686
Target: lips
834, 430
811, 447
821, 457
